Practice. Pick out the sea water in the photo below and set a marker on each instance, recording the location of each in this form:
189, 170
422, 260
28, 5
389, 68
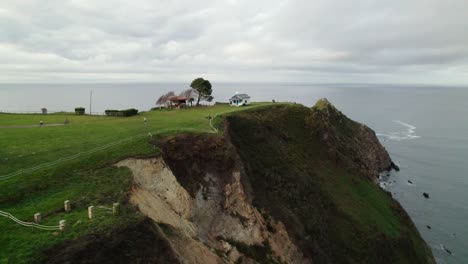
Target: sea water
424, 128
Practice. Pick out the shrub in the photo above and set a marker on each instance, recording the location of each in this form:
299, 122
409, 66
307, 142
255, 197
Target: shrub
79, 111
124, 113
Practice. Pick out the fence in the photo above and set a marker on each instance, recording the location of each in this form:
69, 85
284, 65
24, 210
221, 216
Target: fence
89, 152
101, 148
28, 224
53, 163
49, 112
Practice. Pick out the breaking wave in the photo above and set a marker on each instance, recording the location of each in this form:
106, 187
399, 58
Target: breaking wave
409, 133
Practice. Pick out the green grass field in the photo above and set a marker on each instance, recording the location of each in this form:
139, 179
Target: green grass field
86, 180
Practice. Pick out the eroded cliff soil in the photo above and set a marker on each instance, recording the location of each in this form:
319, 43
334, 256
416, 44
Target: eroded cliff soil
206, 207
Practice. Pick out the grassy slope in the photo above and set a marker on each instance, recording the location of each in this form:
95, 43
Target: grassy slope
85, 181
335, 215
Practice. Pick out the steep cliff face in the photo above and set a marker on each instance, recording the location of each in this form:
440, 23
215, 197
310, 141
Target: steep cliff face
207, 213
349, 143
313, 170
284, 184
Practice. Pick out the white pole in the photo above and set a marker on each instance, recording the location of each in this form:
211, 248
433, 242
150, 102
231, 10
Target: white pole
90, 102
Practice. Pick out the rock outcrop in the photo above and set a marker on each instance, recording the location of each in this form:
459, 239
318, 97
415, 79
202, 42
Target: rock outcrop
349, 143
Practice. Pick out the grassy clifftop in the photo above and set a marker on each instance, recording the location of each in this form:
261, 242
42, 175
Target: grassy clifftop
86, 180
310, 169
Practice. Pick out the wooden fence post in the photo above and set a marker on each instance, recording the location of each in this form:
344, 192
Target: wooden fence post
67, 205
62, 225
91, 212
37, 218
116, 208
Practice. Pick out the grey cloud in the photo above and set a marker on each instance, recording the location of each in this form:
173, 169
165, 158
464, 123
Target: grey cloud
232, 40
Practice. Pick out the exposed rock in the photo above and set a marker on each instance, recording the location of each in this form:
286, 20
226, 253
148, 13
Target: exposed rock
220, 210
446, 249
158, 194
394, 166
234, 255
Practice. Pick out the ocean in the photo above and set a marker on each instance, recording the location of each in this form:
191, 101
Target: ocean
424, 128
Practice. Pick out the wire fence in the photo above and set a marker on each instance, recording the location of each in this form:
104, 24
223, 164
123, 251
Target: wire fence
89, 152
28, 224
61, 160
51, 112
100, 148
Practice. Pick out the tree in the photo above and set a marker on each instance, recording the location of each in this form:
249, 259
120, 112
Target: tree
190, 94
203, 87
164, 99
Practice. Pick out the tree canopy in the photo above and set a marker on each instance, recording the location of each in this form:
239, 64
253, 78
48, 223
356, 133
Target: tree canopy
203, 87
190, 94
164, 99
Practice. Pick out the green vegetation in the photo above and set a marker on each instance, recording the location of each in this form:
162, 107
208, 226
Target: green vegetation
203, 87
87, 180
80, 111
124, 113
335, 213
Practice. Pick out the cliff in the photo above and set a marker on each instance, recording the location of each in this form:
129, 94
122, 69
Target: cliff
313, 170
284, 184
349, 143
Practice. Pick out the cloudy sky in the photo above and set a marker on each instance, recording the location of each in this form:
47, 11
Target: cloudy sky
398, 41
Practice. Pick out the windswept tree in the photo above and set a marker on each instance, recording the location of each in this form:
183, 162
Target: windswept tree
203, 87
165, 99
190, 94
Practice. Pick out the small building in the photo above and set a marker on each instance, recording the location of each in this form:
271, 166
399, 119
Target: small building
239, 100
178, 101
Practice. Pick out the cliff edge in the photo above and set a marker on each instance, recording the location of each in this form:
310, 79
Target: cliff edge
283, 184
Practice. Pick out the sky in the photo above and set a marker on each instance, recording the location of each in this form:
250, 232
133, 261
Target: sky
359, 41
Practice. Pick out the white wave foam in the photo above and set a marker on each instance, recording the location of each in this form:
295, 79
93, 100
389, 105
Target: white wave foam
409, 133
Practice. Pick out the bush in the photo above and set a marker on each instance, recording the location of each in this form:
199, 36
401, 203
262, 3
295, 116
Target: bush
79, 111
124, 113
